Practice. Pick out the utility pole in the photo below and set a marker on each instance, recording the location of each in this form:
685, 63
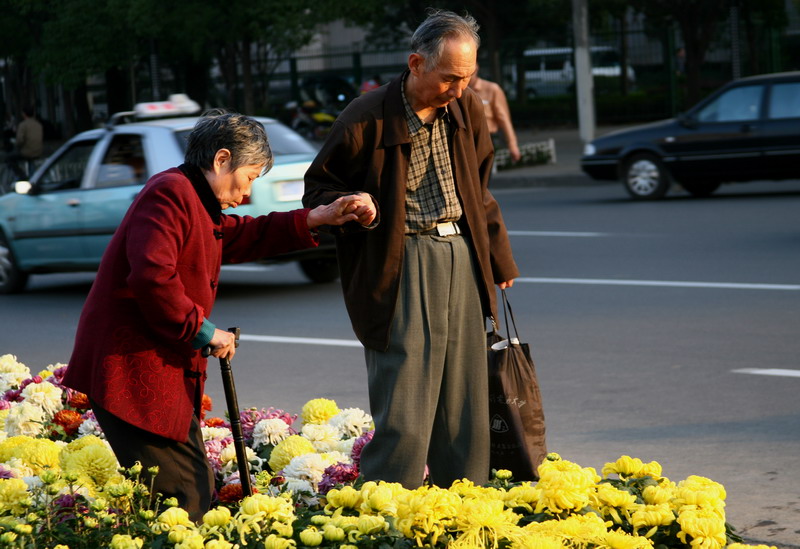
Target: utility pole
583, 70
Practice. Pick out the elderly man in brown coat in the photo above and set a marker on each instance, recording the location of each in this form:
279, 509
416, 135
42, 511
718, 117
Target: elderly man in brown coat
419, 280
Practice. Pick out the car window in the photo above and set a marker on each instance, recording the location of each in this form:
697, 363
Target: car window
282, 140
737, 104
785, 101
124, 163
67, 171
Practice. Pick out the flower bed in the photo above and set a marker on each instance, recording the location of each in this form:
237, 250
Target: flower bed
60, 487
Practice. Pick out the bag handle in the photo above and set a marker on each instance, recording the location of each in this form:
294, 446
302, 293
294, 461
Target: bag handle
507, 312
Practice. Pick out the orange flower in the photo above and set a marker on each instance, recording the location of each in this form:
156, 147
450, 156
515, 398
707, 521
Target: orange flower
205, 405
70, 420
78, 401
214, 422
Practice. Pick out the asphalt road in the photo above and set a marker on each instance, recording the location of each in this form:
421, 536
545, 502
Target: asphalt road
666, 331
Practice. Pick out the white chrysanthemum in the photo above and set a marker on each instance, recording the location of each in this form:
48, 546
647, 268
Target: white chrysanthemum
215, 433
297, 485
227, 458
25, 419
46, 395
91, 427
308, 467
352, 422
18, 468
334, 457
270, 431
324, 438
12, 373
346, 445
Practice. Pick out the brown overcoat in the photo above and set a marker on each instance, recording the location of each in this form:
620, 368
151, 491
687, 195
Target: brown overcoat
368, 150
133, 352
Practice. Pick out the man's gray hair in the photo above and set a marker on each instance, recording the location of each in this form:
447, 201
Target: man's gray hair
217, 129
441, 25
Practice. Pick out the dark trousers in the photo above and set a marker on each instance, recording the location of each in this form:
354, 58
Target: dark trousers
183, 469
428, 392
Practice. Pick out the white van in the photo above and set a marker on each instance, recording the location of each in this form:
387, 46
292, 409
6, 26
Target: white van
550, 71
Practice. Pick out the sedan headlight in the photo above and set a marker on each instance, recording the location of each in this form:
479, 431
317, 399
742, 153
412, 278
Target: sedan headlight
589, 149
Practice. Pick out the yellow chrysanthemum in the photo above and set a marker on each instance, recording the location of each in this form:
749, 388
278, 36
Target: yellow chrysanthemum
289, 448
79, 444
319, 410
701, 492
14, 497
613, 502
39, 454
485, 523
578, 530
651, 517
96, 462
616, 539
663, 492
628, 467
564, 486
219, 516
346, 497
424, 514
380, 498
124, 541
523, 496
370, 525
279, 509
9, 445
704, 527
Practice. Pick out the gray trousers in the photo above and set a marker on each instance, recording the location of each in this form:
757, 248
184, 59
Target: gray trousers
428, 392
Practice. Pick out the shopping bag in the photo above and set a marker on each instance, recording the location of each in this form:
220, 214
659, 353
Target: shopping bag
516, 416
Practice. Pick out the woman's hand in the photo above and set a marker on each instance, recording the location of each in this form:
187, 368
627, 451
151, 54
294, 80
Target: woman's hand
223, 344
352, 207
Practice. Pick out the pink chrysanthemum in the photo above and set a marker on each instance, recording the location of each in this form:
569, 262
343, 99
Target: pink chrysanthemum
340, 473
358, 446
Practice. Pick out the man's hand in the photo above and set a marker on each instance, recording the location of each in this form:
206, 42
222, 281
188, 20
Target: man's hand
514, 152
506, 284
352, 207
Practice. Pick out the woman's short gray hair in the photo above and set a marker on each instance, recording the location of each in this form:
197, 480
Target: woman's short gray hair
441, 25
217, 129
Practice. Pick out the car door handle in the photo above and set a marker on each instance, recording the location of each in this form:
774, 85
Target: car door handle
73, 202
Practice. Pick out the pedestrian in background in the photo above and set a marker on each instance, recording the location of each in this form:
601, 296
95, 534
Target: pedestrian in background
28, 145
498, 115
137, 351
419, 280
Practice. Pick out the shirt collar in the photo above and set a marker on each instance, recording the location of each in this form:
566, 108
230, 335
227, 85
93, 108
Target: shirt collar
203, 190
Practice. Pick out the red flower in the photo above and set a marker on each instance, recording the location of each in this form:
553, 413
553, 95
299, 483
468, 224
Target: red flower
70, 420
231, 493
215, 422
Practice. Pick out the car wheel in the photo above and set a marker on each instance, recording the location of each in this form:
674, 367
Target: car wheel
320, 270
701, 188
12, 278
645, 177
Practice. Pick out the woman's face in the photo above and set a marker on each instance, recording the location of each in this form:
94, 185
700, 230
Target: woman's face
231, 187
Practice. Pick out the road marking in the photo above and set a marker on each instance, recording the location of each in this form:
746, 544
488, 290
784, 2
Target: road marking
555, 233
302, 340
247, 268
768, 372
660, 283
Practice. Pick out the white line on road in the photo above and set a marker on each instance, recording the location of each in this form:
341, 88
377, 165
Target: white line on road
555, 233
660, 283
302, 340
768, 372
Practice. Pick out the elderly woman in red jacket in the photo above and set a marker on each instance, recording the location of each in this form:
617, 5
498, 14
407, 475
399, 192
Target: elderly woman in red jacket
137, 350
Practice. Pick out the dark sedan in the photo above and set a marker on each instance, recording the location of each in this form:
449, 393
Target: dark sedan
747, 130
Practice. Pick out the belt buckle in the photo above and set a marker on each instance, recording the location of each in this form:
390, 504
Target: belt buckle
447, 229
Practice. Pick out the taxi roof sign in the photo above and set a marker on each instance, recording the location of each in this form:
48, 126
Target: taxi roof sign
177, 104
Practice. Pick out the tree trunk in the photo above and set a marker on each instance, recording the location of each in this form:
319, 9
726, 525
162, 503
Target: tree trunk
247, 78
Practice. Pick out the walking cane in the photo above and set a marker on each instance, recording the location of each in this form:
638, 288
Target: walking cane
233, 413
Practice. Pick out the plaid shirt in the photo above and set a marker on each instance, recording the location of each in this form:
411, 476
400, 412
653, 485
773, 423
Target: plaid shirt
430, 189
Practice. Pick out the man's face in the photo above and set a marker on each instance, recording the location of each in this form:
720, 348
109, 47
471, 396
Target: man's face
435, 87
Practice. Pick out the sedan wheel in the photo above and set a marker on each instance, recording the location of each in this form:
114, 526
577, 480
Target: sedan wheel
12, 279
645, 178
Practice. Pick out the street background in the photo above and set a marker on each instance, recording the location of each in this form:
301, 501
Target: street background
641, 318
